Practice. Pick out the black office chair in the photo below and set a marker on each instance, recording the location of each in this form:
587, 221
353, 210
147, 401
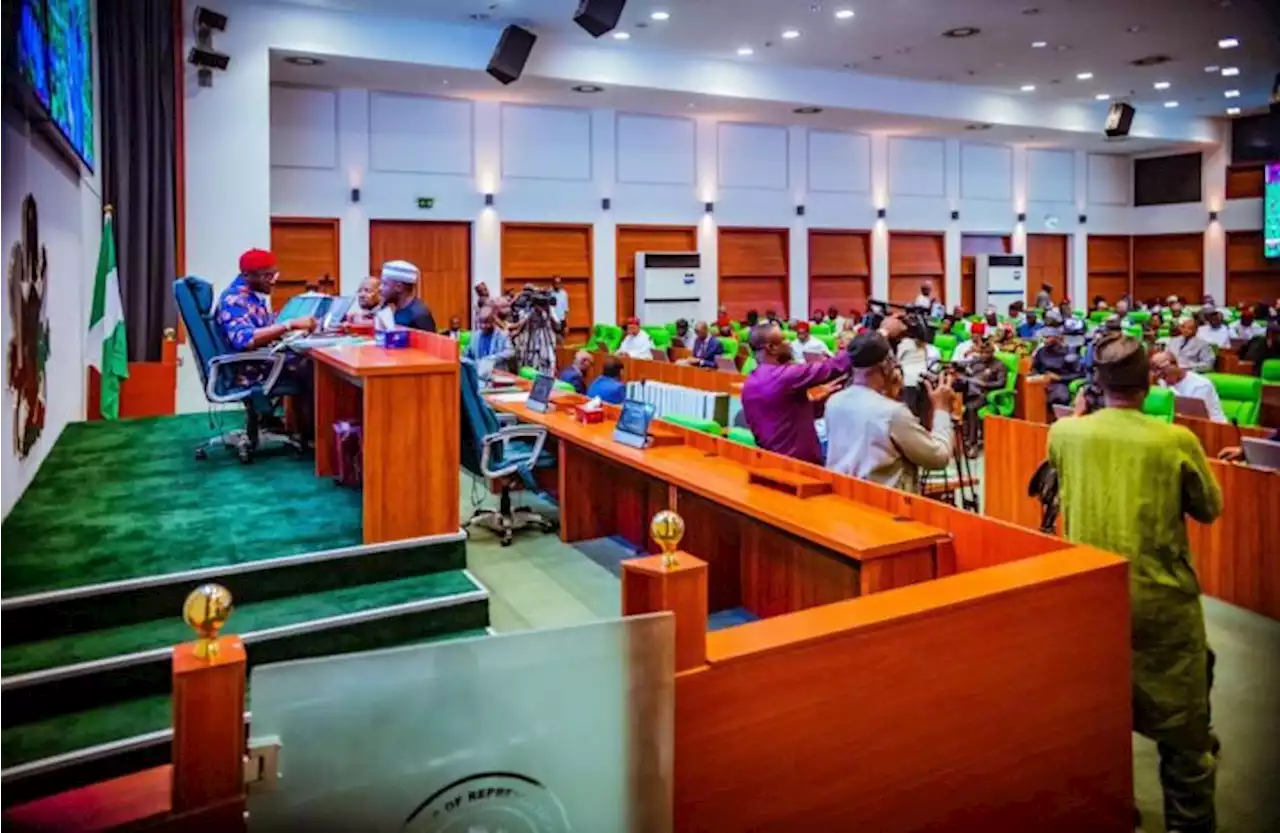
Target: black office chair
508, 455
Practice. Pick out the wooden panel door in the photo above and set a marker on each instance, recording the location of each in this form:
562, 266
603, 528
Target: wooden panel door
308, 252
537, 252
754, 270
915, 257
972, 245
1169, 264
839, 270
442, 253
1046, 263
632, 239
1250, 276
1110, 269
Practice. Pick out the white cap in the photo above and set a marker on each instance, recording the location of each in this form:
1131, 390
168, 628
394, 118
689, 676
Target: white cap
401, 271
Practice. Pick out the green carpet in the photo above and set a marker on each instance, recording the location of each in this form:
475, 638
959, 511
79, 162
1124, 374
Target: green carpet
115, 500
163, 633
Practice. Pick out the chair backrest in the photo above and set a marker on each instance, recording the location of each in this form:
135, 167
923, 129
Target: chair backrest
1241, 396
730, 346
1160, 403
1100, 316
464, 338
706, 426
477, 418
823, 329
828, 340
946, 344
194, 298
1271, 371
1010, 361
613, 337
658, 335
742, 436
749, 365
530, 373
1140, 316
1133, 332
671, 327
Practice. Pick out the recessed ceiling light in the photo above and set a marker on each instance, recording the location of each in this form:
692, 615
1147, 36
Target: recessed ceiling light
1083, 76
661, 15
790, 34
1171, 104
961, 32
977, 126
1103, 96
1039, 44
1232, 94
621, 35
844, 14
1028, 88
1211, 68
588, 88
807, 111
1228, 43
1227, 72
1233, 111
1161, 85
303, 61
744, 51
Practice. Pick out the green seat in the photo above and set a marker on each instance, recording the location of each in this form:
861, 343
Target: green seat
1159, 404
749, 365
1000, 402
946, 344
464, 338
529, 373
1133, 332
960, 330
564, 386
671, 327
828, 340
658, 335
605, 336
1271, 372
1139, 316
1241, 396
1079, 313
742, 436
706, 426
730, 346
788, 335
1100, 316
823, 329
1163, 332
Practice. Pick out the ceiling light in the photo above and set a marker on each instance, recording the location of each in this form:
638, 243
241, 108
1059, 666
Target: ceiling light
1211, 68
790, 34
621, 35
1083, 76
1232, 94
1233, 111
977, 126
844, 14
660, 15
303, 61
744, 51
807, 111
1228, 43
1227, 72
1170, 104
1161, 85
588, 88
1039, 44
1103, 96
1028, 88
961, 32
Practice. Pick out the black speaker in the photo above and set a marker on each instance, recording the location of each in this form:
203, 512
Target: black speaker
511, 54
1119, 118
599, 16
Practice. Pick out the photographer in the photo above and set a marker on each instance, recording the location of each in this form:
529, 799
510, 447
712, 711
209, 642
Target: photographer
534, 332
982, 374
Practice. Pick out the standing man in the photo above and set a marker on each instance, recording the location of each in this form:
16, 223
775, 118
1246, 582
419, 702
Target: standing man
775, 398
1190, 350
1156, 475
576, 373
1061, 364
1183, 382
925, 299
477, 308
401, 303
489, 346
1044, 298
705, 347
560, 302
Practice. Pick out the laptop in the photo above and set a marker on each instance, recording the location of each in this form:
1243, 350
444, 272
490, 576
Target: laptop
336, 313
540, 394
307, 303
659, 354
725, 363
633, 423
1190, 406
1265, 454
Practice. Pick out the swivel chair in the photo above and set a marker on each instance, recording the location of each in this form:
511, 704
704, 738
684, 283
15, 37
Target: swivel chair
216, 362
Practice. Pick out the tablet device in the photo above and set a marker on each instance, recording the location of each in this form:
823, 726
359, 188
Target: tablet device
540, 394
1265, 454
1190, 406
633, 423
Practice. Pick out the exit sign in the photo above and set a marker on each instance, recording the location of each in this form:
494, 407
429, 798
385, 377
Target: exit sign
426, 202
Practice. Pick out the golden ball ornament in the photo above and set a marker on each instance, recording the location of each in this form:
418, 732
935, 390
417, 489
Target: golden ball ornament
206, 610
667, 528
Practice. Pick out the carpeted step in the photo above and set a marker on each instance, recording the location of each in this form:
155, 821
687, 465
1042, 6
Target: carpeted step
61, 752
72, 672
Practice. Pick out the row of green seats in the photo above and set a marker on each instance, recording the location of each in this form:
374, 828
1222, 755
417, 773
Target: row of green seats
1241, 397
737, 434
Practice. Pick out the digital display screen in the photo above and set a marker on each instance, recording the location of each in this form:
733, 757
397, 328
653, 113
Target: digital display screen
54, 58
634, 418
542, 386
1271, 212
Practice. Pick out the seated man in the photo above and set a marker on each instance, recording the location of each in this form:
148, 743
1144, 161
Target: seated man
609, 385
722, 318
1029, 328
1246, 328
368, 299
683, 336
873, 435
991, 318
489, 346
1183, 382
964, 350
1061, 364
636, 343
576, 373
982, 374
248, 324
1213, 331
455, 327
836, 319
1190, 350
705, 348
818, 316
805, 343
401, 305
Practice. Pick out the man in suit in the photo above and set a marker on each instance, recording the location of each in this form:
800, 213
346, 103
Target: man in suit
576, 373
705, 347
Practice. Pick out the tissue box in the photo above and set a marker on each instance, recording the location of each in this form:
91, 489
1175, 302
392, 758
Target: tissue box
586, 417
392, 339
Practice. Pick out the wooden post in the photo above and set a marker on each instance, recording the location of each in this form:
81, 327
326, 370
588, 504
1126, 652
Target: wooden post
649, 587
208, 726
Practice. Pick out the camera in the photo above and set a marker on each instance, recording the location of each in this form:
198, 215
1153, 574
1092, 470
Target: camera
939, 374
916, 319
530, 297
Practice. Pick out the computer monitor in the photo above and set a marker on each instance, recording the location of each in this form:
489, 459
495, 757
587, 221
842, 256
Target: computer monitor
337, 312
540, 395
1190, 406
633, 423
1265, 454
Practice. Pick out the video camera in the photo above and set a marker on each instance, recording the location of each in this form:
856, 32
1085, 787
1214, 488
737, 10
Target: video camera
530, 297
916, 318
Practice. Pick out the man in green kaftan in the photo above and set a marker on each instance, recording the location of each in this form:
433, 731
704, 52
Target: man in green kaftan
1127, 482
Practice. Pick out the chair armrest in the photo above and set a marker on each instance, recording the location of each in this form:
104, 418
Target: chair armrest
227, 360
504, 436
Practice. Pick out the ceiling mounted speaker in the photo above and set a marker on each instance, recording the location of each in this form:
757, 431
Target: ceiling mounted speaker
599, 16
511, 54
1119, 119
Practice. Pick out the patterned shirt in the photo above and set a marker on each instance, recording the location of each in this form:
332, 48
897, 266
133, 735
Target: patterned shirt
239, 312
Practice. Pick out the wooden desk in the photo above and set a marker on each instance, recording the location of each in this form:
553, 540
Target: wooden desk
767, 551
407, 404
1029, 398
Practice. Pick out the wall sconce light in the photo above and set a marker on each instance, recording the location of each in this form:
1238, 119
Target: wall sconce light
488, 199
709, 207
1213, 216
881, 213
355, 195
1084, 218
1022, 216
799, 210
605, 203
955, 215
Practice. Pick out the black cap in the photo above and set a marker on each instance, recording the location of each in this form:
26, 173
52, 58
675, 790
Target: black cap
869, 349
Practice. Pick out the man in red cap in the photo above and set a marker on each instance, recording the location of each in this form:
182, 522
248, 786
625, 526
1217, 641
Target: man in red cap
636, 343
247, 323
806, 344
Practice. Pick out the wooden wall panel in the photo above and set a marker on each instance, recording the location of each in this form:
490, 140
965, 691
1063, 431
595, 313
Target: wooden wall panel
1110, 274
972, 245
913, 258
536, 252
441, 251
308, 252
1046, 263
632, 239
1168, 264
1245, 182
754, 270
839, 270
1250, 276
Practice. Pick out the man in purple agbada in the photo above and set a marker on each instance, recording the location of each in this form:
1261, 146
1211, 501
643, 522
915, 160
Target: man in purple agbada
775, 398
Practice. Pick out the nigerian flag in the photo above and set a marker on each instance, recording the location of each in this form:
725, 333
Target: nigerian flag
107, 350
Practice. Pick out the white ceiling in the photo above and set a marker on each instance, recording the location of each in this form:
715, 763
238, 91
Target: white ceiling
903, 38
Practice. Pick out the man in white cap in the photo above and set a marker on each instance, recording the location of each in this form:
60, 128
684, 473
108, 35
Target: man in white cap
399, 295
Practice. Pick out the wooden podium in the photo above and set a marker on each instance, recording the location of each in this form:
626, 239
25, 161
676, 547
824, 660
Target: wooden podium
649, 586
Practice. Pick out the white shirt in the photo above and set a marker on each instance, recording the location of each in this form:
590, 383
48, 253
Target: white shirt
813, 346
877, 438
638, 346
923, 300
1195, 386
837, 324
962, 352
561, 304
914, 361
1221, 337
1239, 332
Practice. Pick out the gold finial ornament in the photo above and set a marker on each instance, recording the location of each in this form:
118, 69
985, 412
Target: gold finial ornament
667, 528
206, 610
170, 334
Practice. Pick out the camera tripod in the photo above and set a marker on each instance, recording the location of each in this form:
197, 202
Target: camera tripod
964, 470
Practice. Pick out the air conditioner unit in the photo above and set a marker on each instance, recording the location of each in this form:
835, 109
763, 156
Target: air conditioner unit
668, 286
999, 280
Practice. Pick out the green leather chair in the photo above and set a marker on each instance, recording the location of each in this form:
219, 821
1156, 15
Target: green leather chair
749, 365
464, 338
1100, 316
1163, 332
730, 346
1271, 372
1134, 332
1079, 313
706, 426
946, 344
960, 330
742, 436
529, 373
1159, 404
828, 340
607, 336
670, 327
1139, 316
1241, 396
823, 329
788, 335
659, 336
1000, 402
